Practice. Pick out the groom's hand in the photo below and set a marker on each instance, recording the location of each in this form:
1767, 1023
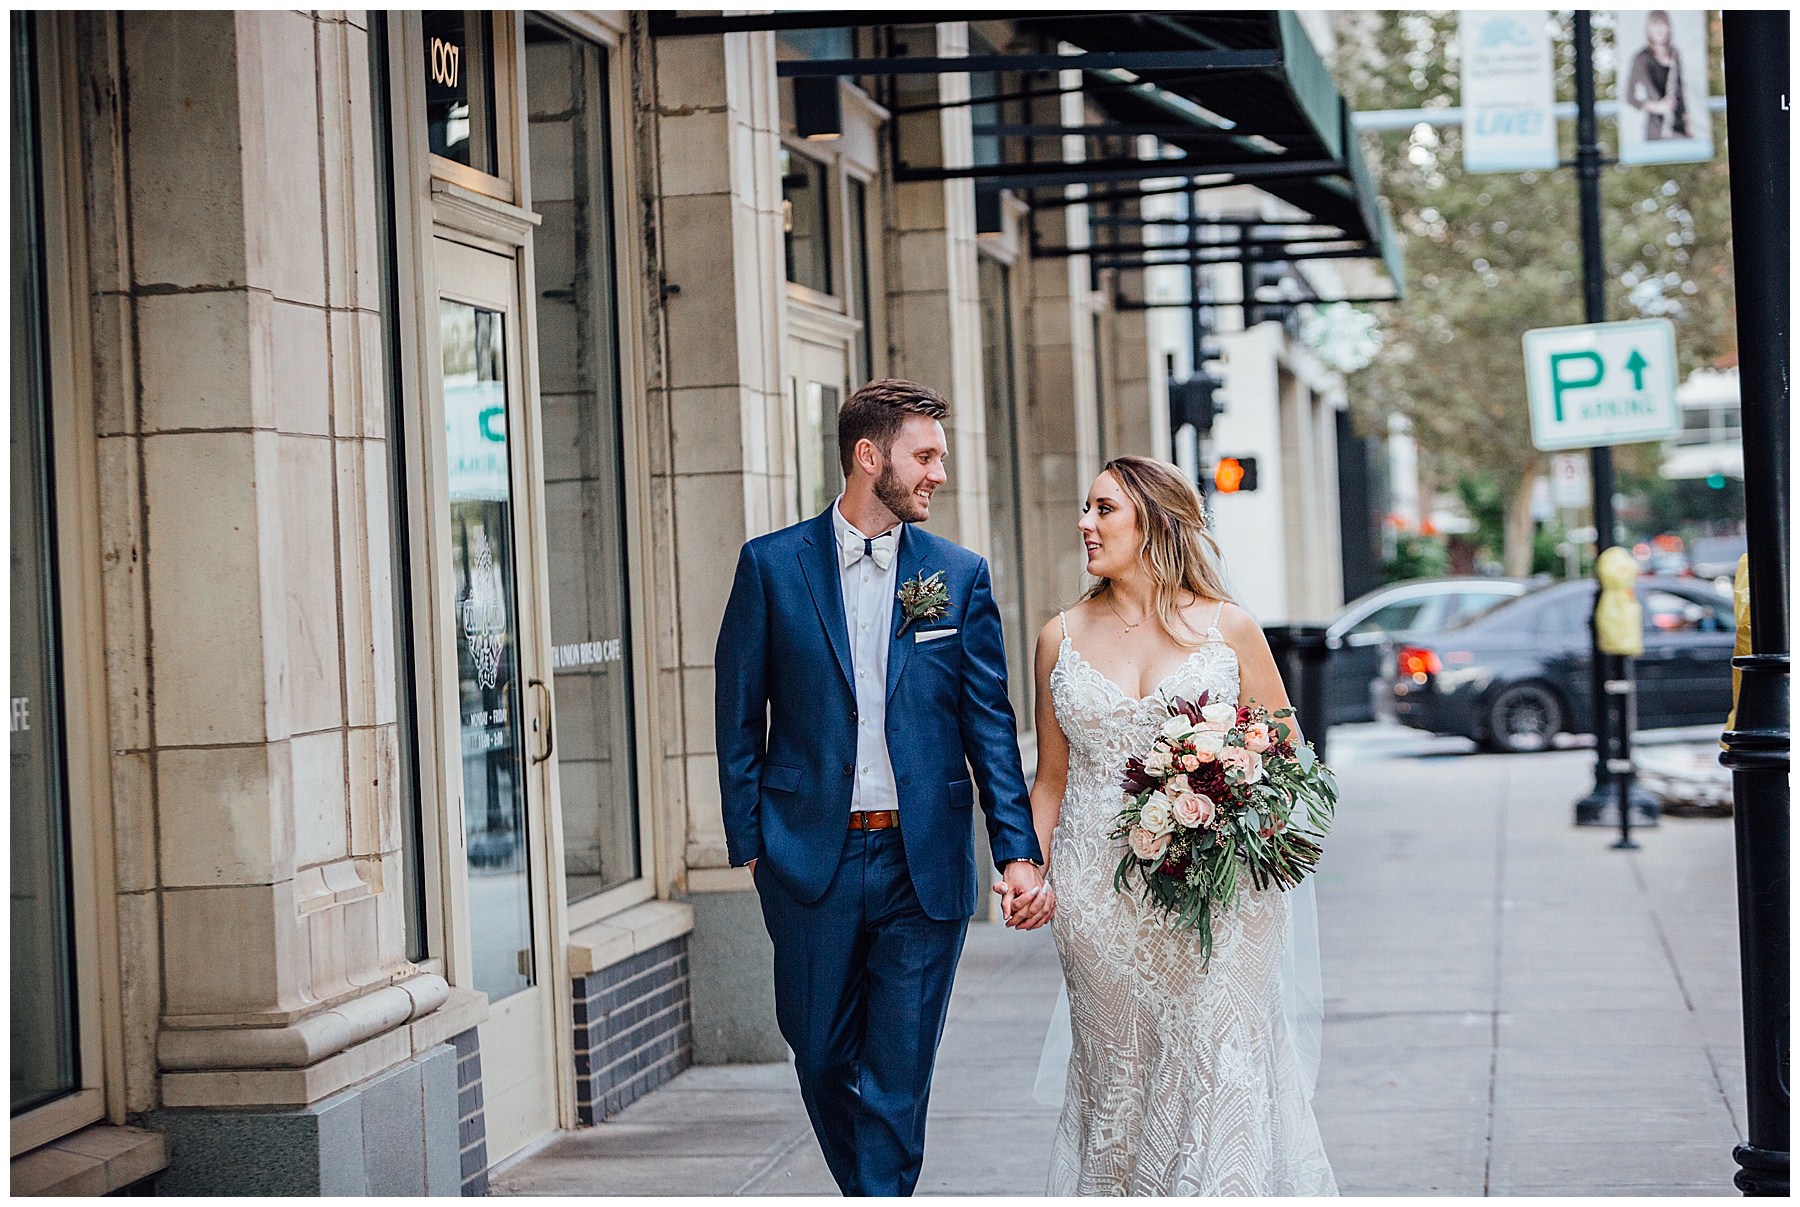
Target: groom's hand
1026, 901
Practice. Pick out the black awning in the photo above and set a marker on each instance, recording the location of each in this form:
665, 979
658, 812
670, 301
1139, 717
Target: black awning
1289, 112
1241, 94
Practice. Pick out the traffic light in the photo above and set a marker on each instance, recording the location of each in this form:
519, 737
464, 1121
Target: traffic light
1196, 401
1234, 475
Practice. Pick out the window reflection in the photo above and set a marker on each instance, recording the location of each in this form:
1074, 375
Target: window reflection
805, 220
820, 473
584, 478
459, 87
858, 221
481, 553
43, 982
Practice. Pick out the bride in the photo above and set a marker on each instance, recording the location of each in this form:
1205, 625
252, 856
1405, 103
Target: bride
1183, 1080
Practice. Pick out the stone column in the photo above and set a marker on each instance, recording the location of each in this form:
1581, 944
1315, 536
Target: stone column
934, 296
240, 391
721, 465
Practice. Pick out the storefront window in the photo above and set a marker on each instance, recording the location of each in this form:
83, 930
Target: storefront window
584, 463
1006, 535
381, 169
459, 87
806, 220
820, 468
43, 981
487, 642
858, 222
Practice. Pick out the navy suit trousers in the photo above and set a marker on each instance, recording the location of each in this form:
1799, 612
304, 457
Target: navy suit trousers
862, 985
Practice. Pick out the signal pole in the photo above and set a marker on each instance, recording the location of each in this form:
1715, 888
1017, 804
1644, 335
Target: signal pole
1611, 737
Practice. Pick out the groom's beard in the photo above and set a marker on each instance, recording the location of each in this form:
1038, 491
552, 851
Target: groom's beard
897, 498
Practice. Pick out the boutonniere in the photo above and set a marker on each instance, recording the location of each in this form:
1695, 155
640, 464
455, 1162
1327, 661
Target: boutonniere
923, 598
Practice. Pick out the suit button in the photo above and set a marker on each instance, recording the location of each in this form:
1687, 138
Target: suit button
849, 769
853, 714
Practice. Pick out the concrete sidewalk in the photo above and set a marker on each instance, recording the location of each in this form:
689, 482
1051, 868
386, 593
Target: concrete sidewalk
1511, 1008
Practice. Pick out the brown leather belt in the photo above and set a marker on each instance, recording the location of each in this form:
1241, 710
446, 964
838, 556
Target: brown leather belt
882, 819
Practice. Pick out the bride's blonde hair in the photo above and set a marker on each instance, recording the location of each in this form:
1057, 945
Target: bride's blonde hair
1176, 543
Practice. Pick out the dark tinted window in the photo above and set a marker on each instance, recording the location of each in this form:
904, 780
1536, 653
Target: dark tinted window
1471, 604
1565, 613
1675, 612
1401, 616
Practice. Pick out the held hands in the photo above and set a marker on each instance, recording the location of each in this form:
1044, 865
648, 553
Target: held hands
1026, 901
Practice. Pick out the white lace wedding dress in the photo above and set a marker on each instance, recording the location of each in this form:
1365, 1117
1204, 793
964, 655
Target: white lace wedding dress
1183, 1080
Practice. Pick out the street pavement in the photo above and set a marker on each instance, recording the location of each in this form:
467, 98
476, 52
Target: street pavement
1512, 1007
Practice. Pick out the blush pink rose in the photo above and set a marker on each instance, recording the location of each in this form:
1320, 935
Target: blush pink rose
1194, 809
1189, 762
1146, 844
1247, 762
1257, 737
1207, 746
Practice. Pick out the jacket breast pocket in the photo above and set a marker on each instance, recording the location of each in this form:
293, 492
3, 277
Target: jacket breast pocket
780, 779
959, 794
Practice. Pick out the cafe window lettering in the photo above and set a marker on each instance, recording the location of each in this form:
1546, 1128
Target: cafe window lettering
459, 87
44, 1054
567, 89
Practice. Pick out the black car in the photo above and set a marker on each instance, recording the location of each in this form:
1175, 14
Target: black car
1515, 677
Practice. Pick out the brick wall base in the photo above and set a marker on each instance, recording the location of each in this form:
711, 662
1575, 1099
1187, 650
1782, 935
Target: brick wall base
633, 1029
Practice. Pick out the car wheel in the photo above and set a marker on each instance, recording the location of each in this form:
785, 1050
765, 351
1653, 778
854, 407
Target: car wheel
1523, 718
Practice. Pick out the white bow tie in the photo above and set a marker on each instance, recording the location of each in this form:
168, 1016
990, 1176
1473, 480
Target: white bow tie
851, 547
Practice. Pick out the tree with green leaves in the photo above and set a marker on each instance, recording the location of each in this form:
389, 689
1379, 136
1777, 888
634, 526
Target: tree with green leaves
1491, 256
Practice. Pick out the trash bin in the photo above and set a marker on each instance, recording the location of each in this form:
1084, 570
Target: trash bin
1301, 656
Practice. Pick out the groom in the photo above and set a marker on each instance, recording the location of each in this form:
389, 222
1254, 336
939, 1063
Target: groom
861, 674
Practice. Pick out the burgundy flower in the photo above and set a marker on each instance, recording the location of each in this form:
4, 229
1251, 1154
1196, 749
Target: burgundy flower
1136, 779
1189, 710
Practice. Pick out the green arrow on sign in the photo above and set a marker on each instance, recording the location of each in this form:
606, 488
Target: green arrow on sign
1636, 366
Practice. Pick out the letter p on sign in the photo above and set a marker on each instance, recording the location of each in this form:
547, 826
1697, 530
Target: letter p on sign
1561, 381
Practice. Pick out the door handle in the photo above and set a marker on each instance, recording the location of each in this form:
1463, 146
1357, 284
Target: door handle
547, 718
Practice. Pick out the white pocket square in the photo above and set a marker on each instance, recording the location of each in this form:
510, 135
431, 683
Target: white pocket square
922, 637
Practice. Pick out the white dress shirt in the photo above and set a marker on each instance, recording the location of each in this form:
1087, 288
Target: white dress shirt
868, 618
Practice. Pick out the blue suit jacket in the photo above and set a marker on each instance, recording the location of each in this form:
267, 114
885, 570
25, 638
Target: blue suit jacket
786, 717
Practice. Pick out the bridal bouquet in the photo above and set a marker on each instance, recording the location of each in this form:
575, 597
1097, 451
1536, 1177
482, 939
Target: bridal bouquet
1220, 795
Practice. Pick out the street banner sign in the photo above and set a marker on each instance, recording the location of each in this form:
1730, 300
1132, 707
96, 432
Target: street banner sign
1569, 485
1601, 384
1508, 92
1663, 111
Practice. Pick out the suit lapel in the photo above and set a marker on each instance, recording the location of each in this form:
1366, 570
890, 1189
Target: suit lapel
819, 565
908, 563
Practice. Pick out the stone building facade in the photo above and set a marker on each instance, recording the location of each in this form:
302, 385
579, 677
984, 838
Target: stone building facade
392, 393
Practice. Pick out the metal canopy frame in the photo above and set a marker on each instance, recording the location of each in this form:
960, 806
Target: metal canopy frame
1056, 173
1243, 96
1137, 60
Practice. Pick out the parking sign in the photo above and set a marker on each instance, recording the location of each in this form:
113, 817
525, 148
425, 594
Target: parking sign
1601, 384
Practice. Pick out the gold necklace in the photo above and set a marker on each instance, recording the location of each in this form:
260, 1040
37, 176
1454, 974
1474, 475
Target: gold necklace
1128, 625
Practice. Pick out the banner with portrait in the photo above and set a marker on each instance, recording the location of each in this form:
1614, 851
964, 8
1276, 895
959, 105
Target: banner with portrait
1663, 111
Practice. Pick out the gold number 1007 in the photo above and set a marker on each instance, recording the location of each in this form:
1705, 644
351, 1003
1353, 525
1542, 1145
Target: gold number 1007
445, 59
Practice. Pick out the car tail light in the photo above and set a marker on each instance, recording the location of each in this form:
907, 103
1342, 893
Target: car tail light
1416, 663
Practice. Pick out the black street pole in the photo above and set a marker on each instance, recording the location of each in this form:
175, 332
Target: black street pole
1756, 750
1612, 742
1593, 292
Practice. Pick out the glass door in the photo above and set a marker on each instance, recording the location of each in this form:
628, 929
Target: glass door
503, 719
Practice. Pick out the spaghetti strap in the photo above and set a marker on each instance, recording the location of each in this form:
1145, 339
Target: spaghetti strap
1212, 630
1065, 624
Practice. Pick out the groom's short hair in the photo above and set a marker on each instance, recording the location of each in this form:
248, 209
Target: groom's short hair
878, 411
